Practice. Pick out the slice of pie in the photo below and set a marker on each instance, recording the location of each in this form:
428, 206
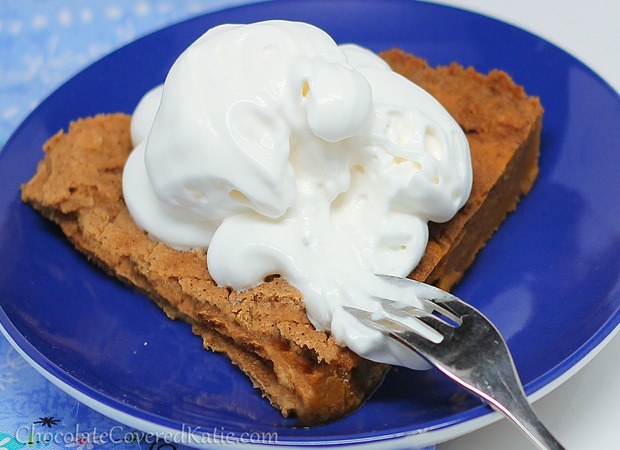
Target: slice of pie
265, 331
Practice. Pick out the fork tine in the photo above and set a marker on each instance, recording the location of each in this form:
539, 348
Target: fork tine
453, 304
382, 323
423, 335
423, 316
437, 299
444, 310
436, 323
428, 301
390, 306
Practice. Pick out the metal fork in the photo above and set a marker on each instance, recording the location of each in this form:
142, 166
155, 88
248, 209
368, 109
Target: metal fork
471, 351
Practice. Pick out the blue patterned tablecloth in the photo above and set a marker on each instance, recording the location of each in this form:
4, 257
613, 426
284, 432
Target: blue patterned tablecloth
36, 414
45, 42
42, 44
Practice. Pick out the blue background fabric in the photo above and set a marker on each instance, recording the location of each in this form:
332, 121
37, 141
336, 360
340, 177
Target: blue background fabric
42, 44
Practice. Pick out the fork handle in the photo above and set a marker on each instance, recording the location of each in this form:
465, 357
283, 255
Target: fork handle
500, 387
519, 411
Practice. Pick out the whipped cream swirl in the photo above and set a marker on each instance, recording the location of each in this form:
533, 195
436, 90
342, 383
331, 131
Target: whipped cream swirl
280, 152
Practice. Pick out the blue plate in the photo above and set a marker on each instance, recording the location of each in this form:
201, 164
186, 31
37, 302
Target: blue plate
548, 278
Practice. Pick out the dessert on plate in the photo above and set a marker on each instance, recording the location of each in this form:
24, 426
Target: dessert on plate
259, 210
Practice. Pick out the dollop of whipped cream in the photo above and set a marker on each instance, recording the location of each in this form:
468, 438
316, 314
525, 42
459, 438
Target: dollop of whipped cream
281, 152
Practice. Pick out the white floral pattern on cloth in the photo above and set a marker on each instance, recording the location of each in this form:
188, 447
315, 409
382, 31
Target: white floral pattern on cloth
42, 44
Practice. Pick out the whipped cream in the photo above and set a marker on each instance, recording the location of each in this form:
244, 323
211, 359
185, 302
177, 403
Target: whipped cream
280, 152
